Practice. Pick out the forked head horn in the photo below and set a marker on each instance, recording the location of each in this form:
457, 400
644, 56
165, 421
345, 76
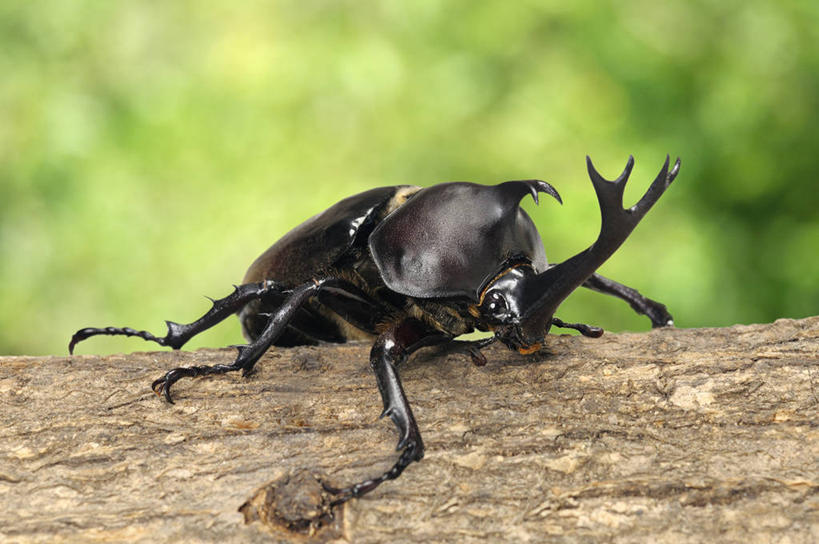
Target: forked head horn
550, 288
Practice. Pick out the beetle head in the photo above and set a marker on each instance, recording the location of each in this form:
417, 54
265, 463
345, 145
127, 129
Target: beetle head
519, 303
509, 306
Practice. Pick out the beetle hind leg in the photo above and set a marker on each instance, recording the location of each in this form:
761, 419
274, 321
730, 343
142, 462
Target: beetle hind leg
178, 334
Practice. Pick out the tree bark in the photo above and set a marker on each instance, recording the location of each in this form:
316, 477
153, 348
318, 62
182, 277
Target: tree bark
676, 435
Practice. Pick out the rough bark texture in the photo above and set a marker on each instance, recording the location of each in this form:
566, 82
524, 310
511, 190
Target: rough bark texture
672, 436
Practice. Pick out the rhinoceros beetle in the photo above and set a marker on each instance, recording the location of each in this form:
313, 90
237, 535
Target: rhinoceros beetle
408, 267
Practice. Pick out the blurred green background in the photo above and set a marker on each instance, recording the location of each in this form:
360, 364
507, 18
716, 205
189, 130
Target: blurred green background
149, 151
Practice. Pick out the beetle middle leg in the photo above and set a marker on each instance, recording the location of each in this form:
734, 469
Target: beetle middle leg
392, 348
250, 353
655, 311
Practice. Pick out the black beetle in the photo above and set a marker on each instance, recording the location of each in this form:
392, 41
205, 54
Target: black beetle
409, 267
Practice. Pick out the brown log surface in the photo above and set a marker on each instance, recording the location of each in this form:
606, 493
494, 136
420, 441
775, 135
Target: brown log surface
677, 435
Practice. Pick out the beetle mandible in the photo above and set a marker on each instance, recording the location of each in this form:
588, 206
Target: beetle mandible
407, 267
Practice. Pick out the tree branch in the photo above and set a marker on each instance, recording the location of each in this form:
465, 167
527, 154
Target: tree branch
671, 435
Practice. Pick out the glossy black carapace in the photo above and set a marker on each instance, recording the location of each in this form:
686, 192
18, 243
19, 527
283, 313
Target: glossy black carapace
406, 267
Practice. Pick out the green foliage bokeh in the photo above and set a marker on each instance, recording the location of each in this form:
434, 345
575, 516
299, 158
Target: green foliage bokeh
149, 151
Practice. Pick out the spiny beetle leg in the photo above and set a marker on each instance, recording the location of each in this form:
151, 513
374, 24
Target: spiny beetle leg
391, 348
585, 330
248, 354
179, 333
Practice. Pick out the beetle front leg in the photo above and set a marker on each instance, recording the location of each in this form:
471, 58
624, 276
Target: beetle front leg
655, 311
178, 334
586, 330
250, 353
471, 347
392, 348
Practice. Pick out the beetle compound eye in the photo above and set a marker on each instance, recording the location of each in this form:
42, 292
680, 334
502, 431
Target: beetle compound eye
496, 304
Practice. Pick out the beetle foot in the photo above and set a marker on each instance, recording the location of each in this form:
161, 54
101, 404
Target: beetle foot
659, 315
586, 330
178, 333
413, 451
162, 386
88, 332
655, 311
